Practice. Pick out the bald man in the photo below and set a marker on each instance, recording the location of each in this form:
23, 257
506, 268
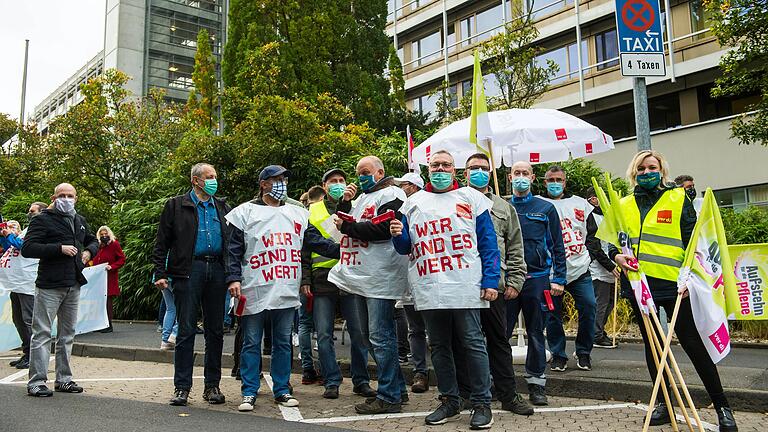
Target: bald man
544, 254
61, 240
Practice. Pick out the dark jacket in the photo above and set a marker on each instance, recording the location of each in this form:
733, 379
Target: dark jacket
593, 243
317, 278
367, 230
660, 289
177, 234
47, 232
542, 238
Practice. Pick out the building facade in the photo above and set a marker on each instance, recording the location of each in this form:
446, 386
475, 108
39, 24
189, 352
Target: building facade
436, 39
154, 42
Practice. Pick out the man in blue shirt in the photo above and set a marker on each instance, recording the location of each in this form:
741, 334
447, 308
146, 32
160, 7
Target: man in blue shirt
544, 255
189, 259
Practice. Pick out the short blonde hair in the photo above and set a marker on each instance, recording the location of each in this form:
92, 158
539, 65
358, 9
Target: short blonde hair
15, 225
109, 233
638, 158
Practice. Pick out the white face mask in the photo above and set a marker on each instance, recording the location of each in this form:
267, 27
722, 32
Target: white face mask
65, 205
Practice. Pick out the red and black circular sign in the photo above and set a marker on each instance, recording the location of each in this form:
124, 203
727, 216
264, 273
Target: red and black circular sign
638, 15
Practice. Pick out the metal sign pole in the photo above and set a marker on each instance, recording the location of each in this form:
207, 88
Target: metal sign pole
642, 125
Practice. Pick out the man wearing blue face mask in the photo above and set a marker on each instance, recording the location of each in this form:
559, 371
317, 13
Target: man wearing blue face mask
544, 255
189, 260
573, 211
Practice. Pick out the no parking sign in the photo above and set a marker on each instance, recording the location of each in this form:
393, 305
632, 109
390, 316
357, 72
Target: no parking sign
641, 47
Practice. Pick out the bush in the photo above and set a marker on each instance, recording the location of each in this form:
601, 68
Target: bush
18, 204
747, 226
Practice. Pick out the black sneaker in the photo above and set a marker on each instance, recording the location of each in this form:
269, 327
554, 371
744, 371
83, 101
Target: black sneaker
559, 364
660, 415
364, 390
310, 376
726, 420
331, 392
180, 397
68, 387
404, 399
377, 406
604, 342
537, 395
517, 405
23, 363
584, 362
481, 418
443, 414
39, 391
287, 400
15, 362
213, 395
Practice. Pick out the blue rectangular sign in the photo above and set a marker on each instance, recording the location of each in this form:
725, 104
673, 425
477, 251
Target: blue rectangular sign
641, 47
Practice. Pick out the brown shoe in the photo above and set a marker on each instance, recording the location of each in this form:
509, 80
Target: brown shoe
420, 383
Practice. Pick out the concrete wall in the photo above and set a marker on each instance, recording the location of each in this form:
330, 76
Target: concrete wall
124, 40
705, 151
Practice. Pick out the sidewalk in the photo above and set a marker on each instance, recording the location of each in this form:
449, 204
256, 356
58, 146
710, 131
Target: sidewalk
617, 374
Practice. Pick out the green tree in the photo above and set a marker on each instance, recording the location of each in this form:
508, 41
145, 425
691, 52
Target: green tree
511, 57
324, 46
8, 127
203, 100
396, 80
743, 24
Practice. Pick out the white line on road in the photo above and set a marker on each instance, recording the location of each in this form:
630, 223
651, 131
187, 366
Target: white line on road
426, 413
13, 377
289, 413
681, 418
120, 379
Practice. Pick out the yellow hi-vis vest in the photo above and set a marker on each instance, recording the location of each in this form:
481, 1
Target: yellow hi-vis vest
318, 213
657, 240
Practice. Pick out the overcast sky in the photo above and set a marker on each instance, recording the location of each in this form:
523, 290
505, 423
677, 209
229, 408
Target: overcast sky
63, 35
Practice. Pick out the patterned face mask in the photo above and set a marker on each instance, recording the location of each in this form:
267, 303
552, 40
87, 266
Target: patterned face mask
279, 190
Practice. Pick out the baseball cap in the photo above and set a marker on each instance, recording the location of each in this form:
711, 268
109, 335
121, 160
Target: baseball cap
272, 171
412, 178
333, 171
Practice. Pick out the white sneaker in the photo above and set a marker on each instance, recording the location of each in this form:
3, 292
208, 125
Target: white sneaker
247, 404
295, 339
287, 400
167, 346
172, 339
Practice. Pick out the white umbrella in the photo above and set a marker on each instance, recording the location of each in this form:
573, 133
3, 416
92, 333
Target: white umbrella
534, 135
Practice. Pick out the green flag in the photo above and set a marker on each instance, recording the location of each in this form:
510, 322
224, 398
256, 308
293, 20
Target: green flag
480, 127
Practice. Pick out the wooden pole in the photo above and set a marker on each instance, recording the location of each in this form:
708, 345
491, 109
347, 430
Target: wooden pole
489, 141
647, 326
616, 284
673, 362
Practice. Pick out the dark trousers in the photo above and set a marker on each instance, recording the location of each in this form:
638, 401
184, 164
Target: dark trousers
494, 324
531, 301
401, 327
685, 330
604, 293
110, 309
21, 312
205, 287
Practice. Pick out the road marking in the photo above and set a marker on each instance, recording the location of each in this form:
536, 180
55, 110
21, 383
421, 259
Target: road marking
426, 413
291, 414
10, 358
119, 379
681, 419
13, 377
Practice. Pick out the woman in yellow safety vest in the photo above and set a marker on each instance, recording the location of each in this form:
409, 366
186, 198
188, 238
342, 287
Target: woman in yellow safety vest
660, 219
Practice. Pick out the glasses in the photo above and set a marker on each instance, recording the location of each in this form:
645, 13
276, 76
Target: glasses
479, 167
446, 165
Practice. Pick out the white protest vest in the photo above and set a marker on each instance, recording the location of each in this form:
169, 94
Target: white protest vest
445, 270
573, 212
371, 269
595, 268
18, 274
272, 260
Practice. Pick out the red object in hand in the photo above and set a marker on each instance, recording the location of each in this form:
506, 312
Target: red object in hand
310, 302
3, 225
386, 216
240, 306
632, 262
548, 298
345, 216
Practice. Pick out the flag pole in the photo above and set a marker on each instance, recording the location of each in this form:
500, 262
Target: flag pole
493, 165
651, 335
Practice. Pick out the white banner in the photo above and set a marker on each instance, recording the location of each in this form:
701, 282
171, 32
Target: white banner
17, 273
91, 315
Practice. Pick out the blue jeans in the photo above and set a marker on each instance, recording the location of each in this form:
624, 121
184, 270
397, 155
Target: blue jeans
170, 326
531, 301
324, 312
250, 356
584, 295
377, 318
443, 325
306, 327
417, 337
205, 287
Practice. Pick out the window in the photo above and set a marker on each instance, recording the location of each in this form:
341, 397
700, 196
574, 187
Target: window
607, 45
491, 86
467, 29
466, 88
664, 112
541, 8
394, 4
700, 19
451, 37
619, 122
566, 58
426, 49
426, 104
714, 108
489, 22
453, 100
740, 198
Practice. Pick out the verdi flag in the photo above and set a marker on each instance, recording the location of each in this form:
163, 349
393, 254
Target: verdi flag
412, 166
480, 125
745, 300
703, 275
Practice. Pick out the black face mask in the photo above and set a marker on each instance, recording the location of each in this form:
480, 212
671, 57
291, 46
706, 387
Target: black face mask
691, 192
104, 240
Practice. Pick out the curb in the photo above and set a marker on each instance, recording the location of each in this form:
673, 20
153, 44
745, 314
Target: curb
557, 385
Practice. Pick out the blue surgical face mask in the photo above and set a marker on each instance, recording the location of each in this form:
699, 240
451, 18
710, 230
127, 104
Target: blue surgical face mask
211, 186
554, 189
479, 178
521, 184
649, 180
366, 182
279, 190
441, 180
336, 190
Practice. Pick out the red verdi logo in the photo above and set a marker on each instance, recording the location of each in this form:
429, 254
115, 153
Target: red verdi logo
664, 216
560, 134
297, 227
579, 213
535, 157
464, 210
588, 147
